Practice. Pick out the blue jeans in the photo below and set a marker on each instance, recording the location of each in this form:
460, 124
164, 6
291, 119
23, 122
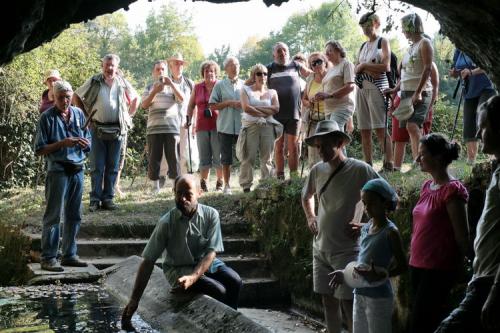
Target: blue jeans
104, 166
467, 317
61, 189
224, 285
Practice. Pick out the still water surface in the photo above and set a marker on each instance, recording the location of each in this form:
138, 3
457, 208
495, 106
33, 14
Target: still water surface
62, 308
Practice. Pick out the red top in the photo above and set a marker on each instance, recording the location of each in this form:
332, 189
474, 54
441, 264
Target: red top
201, 98
433, 244
45, 102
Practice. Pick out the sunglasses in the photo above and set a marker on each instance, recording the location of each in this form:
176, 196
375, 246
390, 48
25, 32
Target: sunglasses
261, 73
317, 62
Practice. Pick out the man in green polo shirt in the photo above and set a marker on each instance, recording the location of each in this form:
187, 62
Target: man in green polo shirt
191, 235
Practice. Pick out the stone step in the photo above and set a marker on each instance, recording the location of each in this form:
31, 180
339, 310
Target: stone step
263, 293
99, 247
246, 266
144, 230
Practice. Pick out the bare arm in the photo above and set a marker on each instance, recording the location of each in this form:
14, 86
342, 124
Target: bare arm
434, 82
76, 101
187, 281
427, 54
304, 71
275, 105
400, 264
247, 107
375, 70
146, 102
457, 211
308, 206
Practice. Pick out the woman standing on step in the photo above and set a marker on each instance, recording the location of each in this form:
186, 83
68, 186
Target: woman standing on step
259, 129
205, 124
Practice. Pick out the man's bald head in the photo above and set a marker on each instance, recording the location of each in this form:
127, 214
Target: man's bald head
187, 180
187, 192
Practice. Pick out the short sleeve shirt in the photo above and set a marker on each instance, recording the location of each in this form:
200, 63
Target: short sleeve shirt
338, 76
229, 119
164, 114
286, 81
52, 128
487, 242
476, 83
186, 241
337, 203
433, 244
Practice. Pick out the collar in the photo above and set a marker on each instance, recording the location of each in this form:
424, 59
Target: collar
181, 216
233, 81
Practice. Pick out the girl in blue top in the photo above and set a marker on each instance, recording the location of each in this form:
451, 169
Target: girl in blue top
381, 256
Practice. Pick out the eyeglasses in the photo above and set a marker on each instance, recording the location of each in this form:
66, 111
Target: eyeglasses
261, 73
317, 62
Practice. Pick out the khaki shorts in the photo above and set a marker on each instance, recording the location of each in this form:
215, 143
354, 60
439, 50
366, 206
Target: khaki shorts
370, 107
325, 263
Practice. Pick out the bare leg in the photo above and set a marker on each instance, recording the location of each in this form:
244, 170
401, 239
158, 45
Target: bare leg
218, 173
388, 144
415, 134
226, 172
399, 153
293, 152
471, 150
204, 173
366, 143
333, 318
278, 152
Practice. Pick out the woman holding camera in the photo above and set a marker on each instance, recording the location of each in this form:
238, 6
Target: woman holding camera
259, 130
162, 99
205, 124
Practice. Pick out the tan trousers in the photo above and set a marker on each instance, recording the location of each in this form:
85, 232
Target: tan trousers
257, 138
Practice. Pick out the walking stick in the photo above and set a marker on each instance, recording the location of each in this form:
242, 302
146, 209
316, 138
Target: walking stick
460, 82
189, 145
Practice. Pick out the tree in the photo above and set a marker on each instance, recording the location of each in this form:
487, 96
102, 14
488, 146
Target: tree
220, 54
108, 32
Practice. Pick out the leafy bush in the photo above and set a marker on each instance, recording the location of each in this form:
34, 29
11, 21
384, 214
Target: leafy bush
14, 249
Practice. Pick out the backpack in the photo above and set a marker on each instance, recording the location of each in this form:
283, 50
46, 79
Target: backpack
393, 74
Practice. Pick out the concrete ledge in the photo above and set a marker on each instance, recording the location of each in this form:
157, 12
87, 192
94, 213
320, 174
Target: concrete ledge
175, 313
69, 275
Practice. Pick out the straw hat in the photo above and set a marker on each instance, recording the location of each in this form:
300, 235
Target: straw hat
326, 127
177, 57
52, 73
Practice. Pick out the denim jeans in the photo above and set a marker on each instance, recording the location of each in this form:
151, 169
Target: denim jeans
104, 166
224, 285
61, 189
372, 315
467, 317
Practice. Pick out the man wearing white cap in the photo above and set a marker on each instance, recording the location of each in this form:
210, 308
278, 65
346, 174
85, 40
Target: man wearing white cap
47, 101
337, 183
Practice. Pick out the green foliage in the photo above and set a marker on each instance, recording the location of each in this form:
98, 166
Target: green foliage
14, 249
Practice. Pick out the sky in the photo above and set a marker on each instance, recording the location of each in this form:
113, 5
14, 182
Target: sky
233, 24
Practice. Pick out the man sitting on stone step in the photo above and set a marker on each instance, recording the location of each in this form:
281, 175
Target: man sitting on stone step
191, 236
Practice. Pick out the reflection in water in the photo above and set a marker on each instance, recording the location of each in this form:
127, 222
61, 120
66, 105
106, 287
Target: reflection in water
62, 308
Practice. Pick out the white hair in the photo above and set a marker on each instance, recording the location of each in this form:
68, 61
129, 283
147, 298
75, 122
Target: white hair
111, 56
62, 86
280, 44
230, 59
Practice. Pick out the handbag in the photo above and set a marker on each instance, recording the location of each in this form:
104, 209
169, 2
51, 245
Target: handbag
405, 109
108, 131
70, 169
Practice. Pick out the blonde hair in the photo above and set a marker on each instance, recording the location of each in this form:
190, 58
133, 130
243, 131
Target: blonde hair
209, 63
371, 17
253, 70
318, 55
412, 23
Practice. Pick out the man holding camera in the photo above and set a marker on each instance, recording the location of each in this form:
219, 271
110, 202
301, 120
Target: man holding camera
64, 140
109, 101
162, 99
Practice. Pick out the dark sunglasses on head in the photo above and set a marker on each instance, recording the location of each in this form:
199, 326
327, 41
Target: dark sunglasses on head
261, 73
317, 62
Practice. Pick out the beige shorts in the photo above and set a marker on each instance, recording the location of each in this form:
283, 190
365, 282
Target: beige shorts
370, 107
325, 263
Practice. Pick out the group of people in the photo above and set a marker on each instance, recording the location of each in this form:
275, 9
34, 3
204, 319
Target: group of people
267, 115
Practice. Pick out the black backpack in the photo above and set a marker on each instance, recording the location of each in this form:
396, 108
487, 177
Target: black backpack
393, 75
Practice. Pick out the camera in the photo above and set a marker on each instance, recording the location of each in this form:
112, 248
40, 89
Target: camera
207, 113
161, 79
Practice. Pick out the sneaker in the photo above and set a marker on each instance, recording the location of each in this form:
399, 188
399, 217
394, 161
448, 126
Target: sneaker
227, 189
94, 206
203, 185
73, 262
109, 205
218, 185
51, 266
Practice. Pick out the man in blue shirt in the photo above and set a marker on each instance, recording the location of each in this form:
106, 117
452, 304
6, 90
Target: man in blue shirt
63, 139
190, 234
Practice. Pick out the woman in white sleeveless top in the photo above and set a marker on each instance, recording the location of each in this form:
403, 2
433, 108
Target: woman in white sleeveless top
415, 80
259, 129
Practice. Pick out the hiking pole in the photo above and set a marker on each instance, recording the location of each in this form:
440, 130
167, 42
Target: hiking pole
458, 108
188, 123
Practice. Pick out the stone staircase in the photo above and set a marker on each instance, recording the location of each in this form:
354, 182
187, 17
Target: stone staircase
105, 244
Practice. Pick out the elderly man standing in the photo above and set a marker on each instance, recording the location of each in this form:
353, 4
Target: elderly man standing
225, 97
480, 309
162, 99
190, 233
283, 76
337, 183
109, 101
62, 138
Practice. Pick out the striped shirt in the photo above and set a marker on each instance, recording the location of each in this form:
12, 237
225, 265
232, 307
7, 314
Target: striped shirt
164, 112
